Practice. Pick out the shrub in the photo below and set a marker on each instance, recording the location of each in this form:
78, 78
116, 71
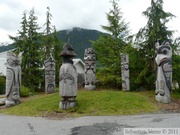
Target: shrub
2, 84
108, 80
57, 89
25, 92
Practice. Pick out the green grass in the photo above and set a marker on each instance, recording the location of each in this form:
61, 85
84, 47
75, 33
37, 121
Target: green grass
2, 96
35, 106
176, 94
112, 103
90, 103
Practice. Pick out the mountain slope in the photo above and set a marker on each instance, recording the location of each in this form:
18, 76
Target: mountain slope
79, 39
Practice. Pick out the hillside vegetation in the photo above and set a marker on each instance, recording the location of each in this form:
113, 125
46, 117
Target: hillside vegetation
79, 39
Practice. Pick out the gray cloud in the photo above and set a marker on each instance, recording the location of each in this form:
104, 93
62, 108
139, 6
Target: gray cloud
75, 13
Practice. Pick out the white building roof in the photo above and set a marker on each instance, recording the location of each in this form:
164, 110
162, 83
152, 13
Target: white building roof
78, 60
79, 64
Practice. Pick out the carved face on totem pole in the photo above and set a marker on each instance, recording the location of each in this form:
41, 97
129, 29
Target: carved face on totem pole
90, 68
164, 72
90, 60
125, 71
13, 79
49, 76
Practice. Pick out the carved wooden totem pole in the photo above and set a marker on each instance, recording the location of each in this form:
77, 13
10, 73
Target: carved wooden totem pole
125, 71
13, 79
164, 72
67, 78
90, 69
49, 75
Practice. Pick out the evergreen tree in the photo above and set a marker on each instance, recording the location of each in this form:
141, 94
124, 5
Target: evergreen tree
175, 61
52, 44
28, 42
21, 42
34, 56
21, 39
155, 30
58, 45
48, 36
108, 47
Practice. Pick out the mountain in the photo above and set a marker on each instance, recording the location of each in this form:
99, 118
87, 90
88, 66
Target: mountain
79, 39
4, 48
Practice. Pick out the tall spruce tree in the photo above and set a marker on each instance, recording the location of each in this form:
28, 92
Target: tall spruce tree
34, 54
108, 47
155, 30
175, 62
21, 42
58, 46
21, 39
48, 35
28, 42
52, 44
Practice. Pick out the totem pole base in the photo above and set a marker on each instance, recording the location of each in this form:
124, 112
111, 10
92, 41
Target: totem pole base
10, 103
163, 99
90, 87
67, 104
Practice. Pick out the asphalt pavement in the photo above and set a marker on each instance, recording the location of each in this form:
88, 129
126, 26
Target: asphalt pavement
89, 125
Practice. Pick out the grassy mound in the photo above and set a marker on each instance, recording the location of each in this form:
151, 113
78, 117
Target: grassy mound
91, 103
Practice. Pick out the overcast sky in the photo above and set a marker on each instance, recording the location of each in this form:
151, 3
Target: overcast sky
90, 14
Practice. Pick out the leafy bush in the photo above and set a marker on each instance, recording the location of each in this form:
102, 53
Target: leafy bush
108, 80
57, 89
2, 84
25, 92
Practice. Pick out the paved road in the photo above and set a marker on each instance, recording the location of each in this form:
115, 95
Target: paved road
98, 125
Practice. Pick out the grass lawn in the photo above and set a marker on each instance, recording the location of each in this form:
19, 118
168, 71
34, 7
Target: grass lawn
90, 103
2, 96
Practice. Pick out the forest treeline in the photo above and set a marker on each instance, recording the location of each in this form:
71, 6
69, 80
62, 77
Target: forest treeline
80, 39
36, 47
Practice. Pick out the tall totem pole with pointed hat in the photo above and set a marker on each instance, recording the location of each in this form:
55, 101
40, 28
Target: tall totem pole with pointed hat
67, 78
